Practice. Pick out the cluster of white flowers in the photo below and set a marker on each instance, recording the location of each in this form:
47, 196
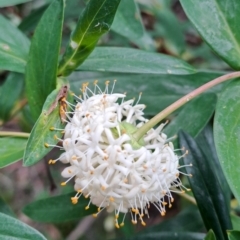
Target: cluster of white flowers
107, 167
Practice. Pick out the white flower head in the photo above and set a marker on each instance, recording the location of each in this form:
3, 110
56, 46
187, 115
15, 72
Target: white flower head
107, 167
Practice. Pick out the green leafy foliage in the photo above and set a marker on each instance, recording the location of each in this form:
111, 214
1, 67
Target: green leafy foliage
210, 236
11, 150
11, 228
128, 23
41, 70
41, 134
233, 235
217, 22
199, 111
14, 84
226, 134
12, 57
94, 21
58, 209
128, 60
205, 142
206, 189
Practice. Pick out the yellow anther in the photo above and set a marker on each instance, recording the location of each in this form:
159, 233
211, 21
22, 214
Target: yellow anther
170, 205
46, 145
74, 200
134, 222
164, 203
121, 224
172, 200
162, 214
95, 215
116, 225
164, 170
111, 199
143, 223
62, 132
190, 175
116, 216
52, 128
74, 157
189, 189
55, 137
63, 184
103, 188
50, 161
69, 171
79, 191
95, 82
87, 207
99, 209
125, 180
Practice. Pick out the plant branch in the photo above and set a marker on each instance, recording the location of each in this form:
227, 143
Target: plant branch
185, 99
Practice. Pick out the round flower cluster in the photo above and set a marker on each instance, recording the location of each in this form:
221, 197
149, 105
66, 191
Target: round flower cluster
107, 167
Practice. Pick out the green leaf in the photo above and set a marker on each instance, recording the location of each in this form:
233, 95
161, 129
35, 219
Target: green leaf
233, 235
4, 208
226, 134
167, 236
58, 209
218, 23
11, 150
41, 70
158, 91
14, 84
128, 23
128, 60
11, 229
180, 222
94, 21
7, 3
210, 235
200, 110
206, 143
41, 133
206, 189
235, 222
14, 47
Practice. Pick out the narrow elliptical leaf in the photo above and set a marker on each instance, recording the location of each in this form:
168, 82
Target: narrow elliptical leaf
41, 70
94, 21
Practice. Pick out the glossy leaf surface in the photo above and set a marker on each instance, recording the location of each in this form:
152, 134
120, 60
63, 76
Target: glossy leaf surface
218, 23
94, 21
206, 189
194, 116
128, 60
128, 23
12, 57
58, 209
41, 132
226, 134
41, 70
11, 150
11, 229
